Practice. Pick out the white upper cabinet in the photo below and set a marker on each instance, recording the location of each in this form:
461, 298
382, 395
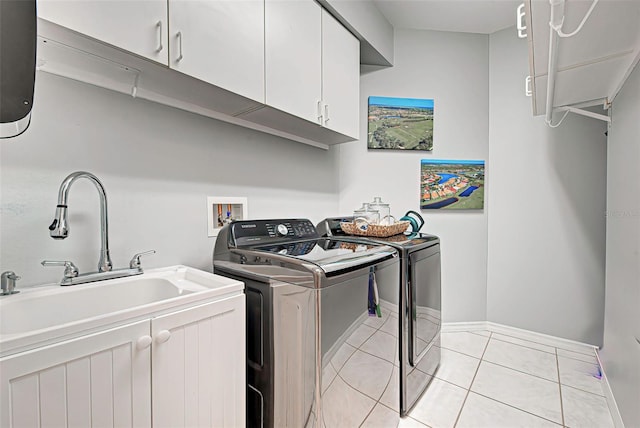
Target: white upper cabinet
293, 46
285, 67
312, 65
220, 42
340, 77
136, 26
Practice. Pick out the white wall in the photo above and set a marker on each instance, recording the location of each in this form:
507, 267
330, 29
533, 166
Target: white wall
157, 164
621, 351
451, 68
546, 209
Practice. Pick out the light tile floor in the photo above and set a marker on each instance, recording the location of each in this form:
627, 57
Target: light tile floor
494, 380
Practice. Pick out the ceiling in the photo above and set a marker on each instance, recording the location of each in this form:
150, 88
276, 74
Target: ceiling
466, 16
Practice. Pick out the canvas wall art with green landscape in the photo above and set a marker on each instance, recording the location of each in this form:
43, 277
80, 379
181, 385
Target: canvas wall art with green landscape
400, 123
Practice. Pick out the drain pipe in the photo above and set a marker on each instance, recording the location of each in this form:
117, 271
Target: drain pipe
557, 18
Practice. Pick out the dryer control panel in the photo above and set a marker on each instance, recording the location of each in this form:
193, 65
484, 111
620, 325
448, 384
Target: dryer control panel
259, 232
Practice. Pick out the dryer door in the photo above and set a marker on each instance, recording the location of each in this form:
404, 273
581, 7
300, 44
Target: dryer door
424, 300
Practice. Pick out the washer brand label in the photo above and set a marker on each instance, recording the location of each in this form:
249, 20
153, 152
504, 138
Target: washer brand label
248, 226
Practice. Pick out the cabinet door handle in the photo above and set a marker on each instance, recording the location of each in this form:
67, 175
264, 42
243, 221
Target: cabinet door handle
179, 36
159, 26
326, 114
520, 22
143, 342
162, 336
320, 112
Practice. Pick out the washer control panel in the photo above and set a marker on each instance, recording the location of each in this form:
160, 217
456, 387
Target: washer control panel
255, 232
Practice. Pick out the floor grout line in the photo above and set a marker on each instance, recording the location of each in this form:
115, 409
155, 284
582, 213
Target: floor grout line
472, 380
545, 344
583, 390
519, 371
468, 355
517, 408
578, 359
524, 346
560, 387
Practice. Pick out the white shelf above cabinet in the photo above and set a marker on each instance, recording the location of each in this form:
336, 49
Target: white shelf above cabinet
591, 65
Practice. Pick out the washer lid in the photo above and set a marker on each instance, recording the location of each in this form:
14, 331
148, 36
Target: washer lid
331, 255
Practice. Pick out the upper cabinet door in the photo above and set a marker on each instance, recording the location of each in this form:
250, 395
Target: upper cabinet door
293, 46
136, 26
340, 77
220, 42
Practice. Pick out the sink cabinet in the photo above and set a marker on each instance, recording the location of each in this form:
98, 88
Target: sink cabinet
182, 368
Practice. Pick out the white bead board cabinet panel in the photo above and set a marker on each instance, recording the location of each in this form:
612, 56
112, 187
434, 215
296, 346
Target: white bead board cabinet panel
100, 379
194, 358
138, 26
199, 366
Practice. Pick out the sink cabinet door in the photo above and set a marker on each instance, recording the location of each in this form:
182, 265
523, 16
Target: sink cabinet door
199, 365
101, 379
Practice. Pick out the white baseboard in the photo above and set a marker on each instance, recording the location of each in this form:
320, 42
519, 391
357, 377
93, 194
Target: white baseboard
448, 327
608, 394
545, 339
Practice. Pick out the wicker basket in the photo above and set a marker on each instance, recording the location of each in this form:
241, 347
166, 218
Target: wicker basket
375, 230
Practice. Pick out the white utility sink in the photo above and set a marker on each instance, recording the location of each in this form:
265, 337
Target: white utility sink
40, 314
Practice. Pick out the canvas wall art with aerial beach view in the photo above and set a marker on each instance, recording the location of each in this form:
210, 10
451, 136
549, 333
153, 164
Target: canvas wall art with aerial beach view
451, 184
400, 123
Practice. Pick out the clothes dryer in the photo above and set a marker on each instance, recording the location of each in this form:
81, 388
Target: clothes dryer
419, 295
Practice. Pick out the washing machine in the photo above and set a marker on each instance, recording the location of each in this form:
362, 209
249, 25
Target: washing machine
419, 291
322, 323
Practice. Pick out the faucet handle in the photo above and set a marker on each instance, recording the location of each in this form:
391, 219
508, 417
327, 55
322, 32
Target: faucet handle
70, 270
9, 279
135, 260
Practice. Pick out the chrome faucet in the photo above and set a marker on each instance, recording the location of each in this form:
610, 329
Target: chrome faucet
59, 229
8, 282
